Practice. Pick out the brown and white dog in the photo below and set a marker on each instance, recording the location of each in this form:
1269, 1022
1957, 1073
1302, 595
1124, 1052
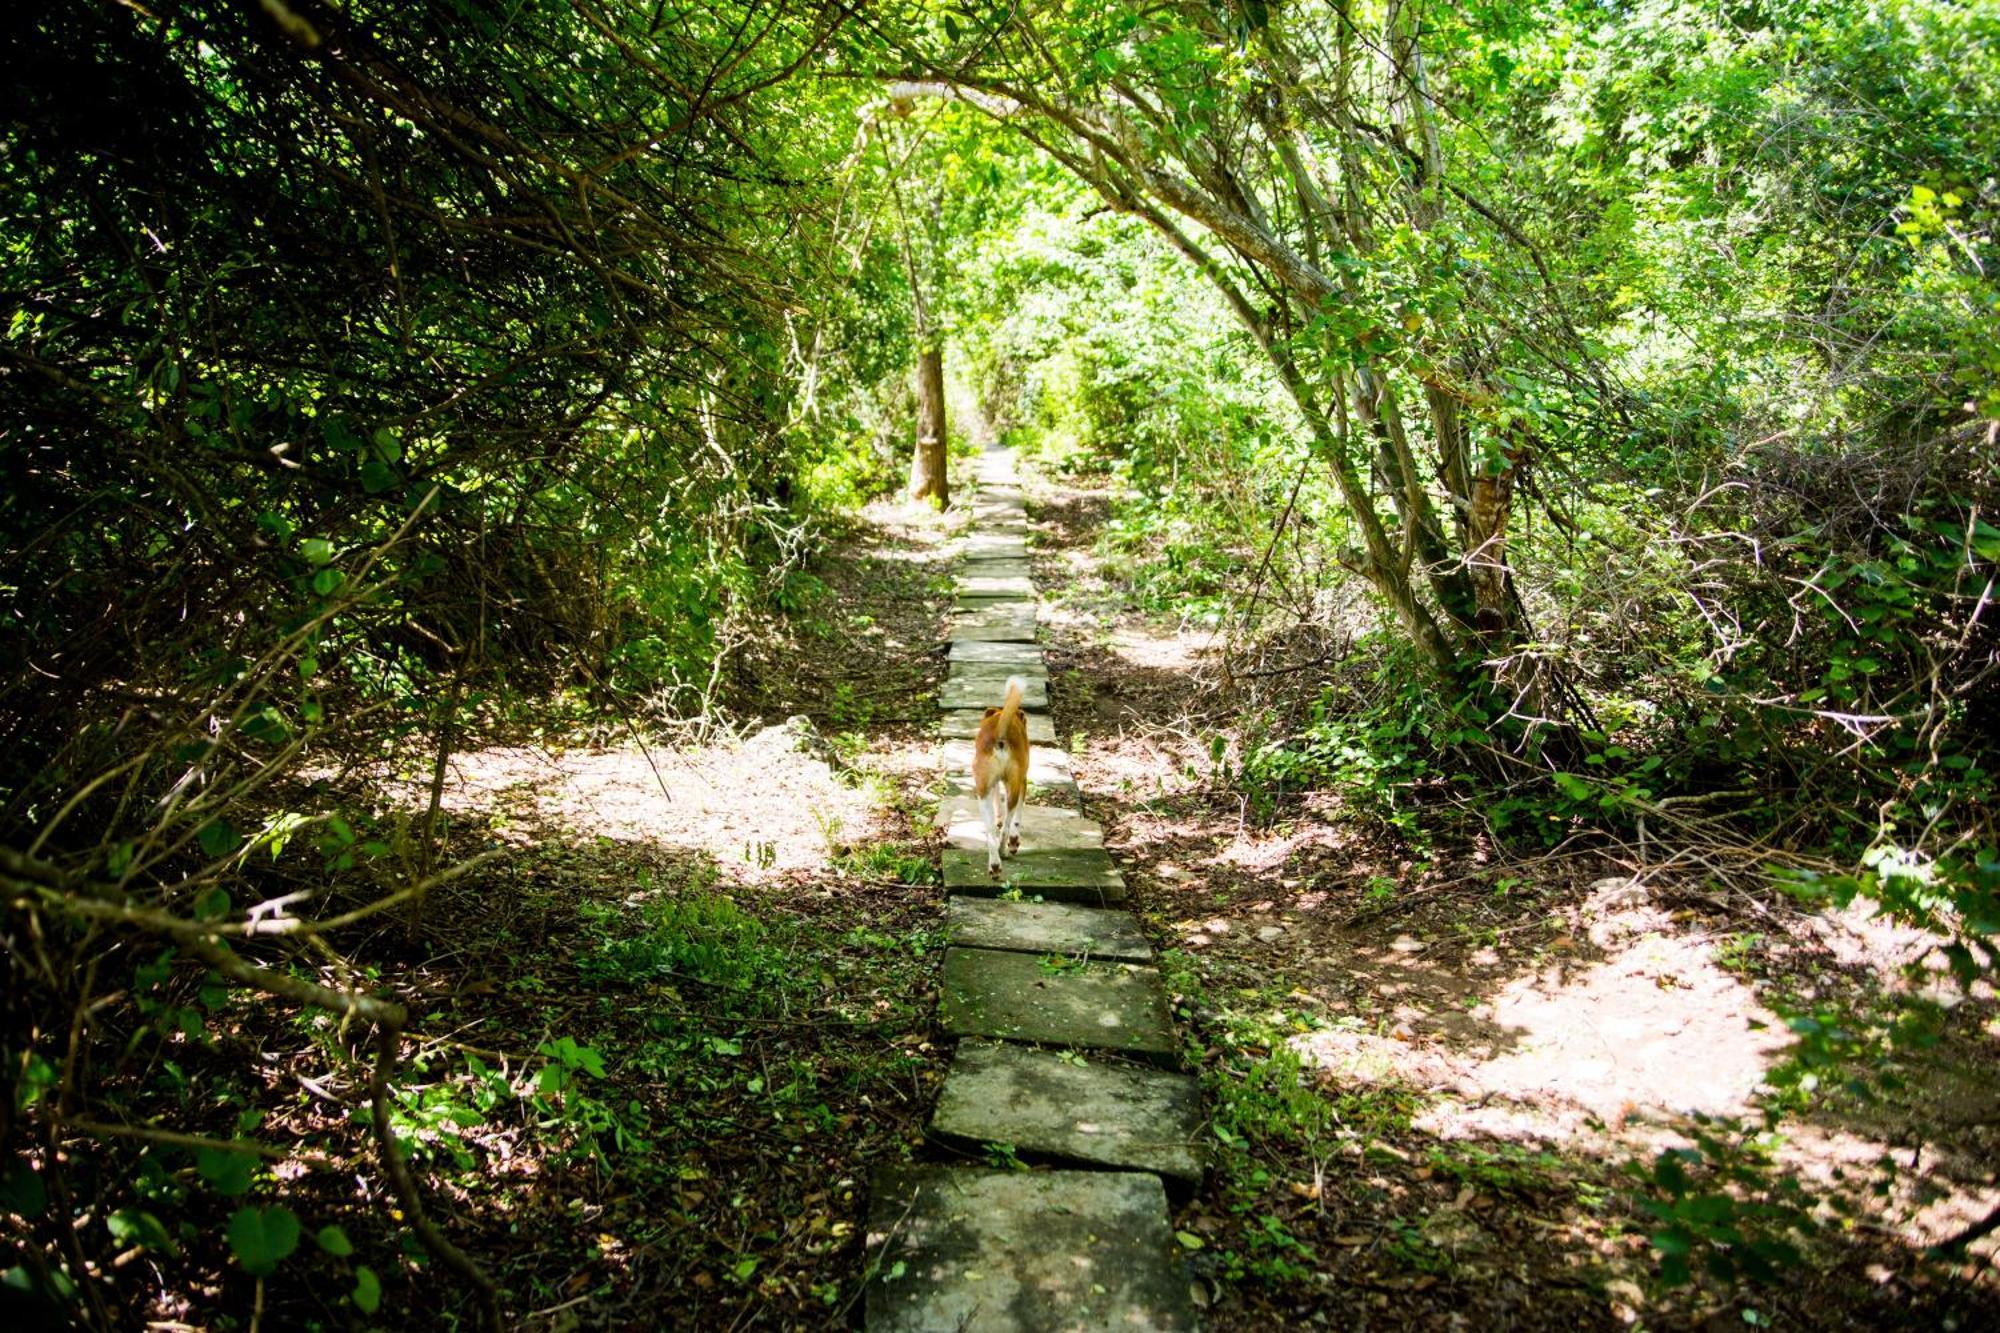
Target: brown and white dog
1000, 773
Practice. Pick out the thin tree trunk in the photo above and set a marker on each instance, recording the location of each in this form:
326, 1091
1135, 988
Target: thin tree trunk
927, 461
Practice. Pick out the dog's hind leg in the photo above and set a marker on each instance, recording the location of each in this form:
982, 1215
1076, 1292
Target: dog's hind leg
994, 796
1011, 832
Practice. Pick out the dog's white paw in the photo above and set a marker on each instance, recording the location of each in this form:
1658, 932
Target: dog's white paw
993, 865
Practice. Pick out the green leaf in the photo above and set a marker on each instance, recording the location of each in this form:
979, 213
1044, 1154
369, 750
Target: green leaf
316, 550
1188, 1240
327, 581
212, 905
22, 1192
217, 838
261, 1238
335, 1242
367, 1293
135, 1226
377, 476
227, 1172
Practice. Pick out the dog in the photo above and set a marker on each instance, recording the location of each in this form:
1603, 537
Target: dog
1000, 774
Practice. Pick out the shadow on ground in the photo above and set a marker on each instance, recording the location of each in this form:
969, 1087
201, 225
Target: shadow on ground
1428, 1070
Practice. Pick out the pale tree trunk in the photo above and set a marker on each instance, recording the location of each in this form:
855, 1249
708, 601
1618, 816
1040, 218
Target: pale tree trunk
928, 479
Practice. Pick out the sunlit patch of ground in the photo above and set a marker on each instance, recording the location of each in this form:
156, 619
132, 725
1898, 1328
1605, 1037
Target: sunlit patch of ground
764, 807
1497, 1040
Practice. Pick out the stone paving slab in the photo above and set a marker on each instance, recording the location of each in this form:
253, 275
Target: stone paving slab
968, 1250
1041, 928
962, 724
1000, 654
998, 672
1075, 875
1099, 1113
983, 692
995, 566
982, 585
1043, 828
1102, 1006
994, 546
1004, 604
1012, 623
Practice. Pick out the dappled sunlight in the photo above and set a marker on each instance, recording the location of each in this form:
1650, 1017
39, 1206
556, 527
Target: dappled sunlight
1654, 1030
762, 807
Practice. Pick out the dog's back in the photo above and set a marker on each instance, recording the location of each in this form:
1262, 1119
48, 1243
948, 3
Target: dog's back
1000, 752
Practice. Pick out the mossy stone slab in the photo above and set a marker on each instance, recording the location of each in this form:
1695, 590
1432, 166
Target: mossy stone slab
1046, 928
1102, 1113
1101, 1006
1078, 875
1043, 828
973, 1250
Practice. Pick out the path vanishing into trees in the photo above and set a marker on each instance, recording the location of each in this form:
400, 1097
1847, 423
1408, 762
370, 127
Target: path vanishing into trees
1512, 609
1067, 1053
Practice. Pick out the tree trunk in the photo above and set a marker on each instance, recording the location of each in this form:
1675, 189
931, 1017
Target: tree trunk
927, 460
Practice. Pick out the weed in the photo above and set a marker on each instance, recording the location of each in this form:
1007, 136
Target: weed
891, 861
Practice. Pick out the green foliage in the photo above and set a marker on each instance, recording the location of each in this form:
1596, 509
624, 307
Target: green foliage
1718, 1204
262, 1238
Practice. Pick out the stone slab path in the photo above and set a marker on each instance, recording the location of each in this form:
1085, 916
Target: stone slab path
1067, 1056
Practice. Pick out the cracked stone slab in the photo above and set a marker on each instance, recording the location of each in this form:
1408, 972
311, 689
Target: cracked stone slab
1041, 928
971, 1250
1073, 875
1043, 828
1103, 1006
982, 689
961, 723
1096, 1113
1012, 656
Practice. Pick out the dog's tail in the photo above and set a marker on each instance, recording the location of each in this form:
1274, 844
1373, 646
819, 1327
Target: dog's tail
1010, 707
